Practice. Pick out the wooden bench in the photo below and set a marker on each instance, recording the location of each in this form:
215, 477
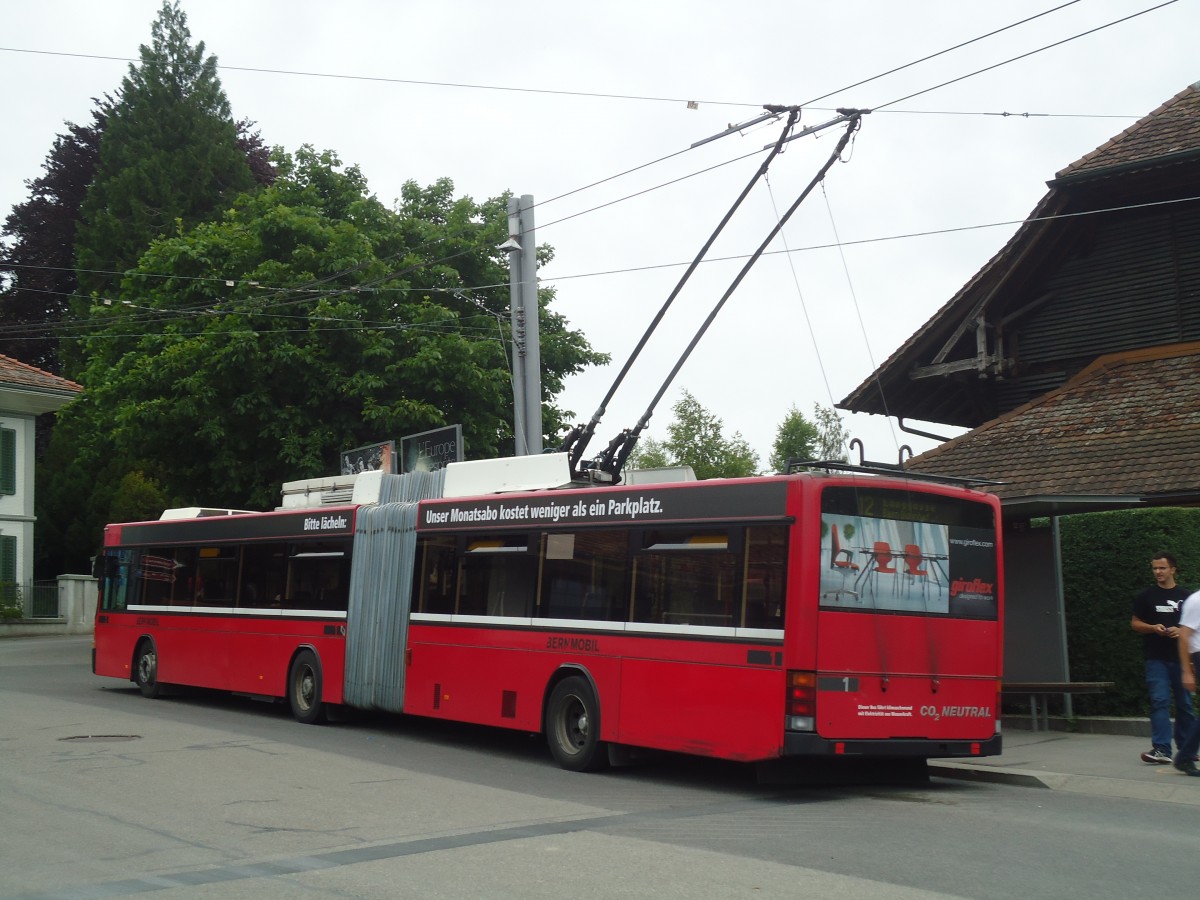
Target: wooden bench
1042, 690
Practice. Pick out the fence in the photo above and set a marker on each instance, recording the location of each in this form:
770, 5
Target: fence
35, 600
65, 606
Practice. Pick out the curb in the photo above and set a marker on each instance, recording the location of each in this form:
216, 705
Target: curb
1130, 726
1167, 789
995, 774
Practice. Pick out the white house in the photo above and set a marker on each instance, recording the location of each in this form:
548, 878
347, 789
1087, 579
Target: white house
25, 394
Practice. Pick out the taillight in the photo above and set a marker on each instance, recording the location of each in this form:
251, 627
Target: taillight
801, 701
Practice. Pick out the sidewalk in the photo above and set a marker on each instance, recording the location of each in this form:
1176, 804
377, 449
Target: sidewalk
1106, 765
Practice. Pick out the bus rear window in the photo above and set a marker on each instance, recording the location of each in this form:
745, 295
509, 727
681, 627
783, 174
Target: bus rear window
900, 552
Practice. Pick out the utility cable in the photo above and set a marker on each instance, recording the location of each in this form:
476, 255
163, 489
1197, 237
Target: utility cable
12, 330
399, 272
882, 107
800, 294
1024, 55
16, 329
890, 237
858, 312
959, 46
390, 80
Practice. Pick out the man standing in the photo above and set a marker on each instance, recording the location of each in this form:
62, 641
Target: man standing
1156, 618
1189, 663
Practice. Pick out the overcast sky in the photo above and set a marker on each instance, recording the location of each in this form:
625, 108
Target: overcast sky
545, 98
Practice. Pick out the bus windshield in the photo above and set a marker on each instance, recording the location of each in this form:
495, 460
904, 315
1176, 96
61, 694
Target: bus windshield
894, 551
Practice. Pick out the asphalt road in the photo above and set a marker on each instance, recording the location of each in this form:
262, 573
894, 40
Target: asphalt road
106, 794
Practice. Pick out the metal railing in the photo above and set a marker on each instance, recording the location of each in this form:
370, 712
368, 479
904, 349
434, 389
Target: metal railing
35, 600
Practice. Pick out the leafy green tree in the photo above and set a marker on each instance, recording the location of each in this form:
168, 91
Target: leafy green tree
796, 438
696, 438
649, 454
37, 268
822, 437
39, 261
169, 156
310, 319
833, 440
137, 499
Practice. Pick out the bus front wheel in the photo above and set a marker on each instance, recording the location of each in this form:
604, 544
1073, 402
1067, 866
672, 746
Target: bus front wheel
145, 670
573, 726
304, 689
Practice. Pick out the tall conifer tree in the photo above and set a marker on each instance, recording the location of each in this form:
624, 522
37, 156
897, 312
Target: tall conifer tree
169, 155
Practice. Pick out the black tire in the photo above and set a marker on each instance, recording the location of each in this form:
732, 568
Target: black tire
573, 726
145, 670
304, 689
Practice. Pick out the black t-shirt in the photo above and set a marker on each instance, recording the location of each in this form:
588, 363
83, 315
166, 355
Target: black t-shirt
1160, 606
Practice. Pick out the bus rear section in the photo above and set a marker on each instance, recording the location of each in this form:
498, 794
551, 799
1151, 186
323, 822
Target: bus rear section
647, 617
712, 618
901, 653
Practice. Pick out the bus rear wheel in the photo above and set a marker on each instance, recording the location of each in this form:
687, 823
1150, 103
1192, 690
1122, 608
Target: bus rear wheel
573, 726
304, 689
145, 670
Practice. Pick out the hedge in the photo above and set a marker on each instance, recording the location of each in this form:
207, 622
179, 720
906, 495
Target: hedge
1106, 563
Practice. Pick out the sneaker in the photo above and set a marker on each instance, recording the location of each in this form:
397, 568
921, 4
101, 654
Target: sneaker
1187, 767
1156, 757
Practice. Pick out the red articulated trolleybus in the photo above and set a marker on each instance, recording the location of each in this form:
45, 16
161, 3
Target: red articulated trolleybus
821, 614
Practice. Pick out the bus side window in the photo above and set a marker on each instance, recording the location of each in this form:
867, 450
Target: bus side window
438, 564
584, 575
766, 576
157, 576
686, 577
499, 576
333, 592
319, 576
185, 579
264, 576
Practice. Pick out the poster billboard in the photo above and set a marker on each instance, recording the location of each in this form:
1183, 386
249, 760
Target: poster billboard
379, 457
431, 450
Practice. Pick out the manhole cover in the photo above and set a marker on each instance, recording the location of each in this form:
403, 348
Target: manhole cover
101, 738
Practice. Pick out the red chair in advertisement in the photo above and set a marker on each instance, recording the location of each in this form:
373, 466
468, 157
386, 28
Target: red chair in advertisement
912, 566
882, 562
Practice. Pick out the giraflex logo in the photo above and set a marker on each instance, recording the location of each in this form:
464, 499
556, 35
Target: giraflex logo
976, 587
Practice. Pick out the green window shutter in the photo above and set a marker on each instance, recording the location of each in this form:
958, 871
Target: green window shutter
8, 461
8, 559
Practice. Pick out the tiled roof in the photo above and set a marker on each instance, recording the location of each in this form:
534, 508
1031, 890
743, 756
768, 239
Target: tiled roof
1128, 424
1172, 128
18, 374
